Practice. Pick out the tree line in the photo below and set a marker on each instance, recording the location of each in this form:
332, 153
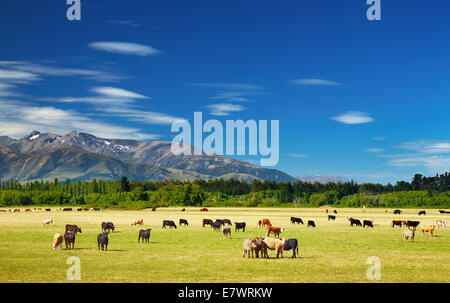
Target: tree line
420, 191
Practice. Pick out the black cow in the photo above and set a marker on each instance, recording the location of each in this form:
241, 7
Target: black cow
311, 223
296, 220
412, 224
67, 209
207, 222
239, 225
397, 212
291, 244
442, 211
227, 221
330, 217
184, 221
73, 228
335, 211
107, 226
220, 221
367, 223
69, 239
169, 223
79, 209
354, 221
96, 209
422, 212
102, 241
145, 235
216, 225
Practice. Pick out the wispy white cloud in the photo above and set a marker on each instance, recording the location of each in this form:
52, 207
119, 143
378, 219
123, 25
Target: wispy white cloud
315, 82
125, 48
436, 163
427, 146
233, 92
117, 92
353, 117
296, 155
224, 109
374, 150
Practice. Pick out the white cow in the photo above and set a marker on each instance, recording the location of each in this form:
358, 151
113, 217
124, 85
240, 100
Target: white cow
47, 222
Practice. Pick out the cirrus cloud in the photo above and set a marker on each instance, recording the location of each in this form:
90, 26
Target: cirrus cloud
353, 117
125, 48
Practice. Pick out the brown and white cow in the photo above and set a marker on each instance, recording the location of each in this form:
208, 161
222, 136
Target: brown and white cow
47, 222
275, 230
57, 241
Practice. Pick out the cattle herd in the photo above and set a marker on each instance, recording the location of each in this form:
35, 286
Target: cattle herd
252, 247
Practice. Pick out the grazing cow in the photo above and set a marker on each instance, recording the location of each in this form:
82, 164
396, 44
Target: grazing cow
335, 211
422, 212
398, 223
138, 222
57, 241
47, 222
153, 208
16, 210
273, 244
442, 211
69, 239
368, 223
107, 226
207, 222
204, 209
226, 231
183, 221
239, 225
67, 209
265, 222
412, 224
275, 230
79, 209
221, 222
311, 223
291, 244
216, 225
184, 209
296, 220
427, 229
332, 218
227, 221
102, 241
169, 223
354, 221
27, 210
408, 234
397, 212
442, 223
145, 235
48, 209
73, 228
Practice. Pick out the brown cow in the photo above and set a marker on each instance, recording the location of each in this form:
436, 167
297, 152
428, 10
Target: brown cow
273, 244
204, 209
398, 223
275, 230
138, 222
427, 229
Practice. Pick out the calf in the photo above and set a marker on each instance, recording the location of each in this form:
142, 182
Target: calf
427, 229
73, 228
47, 222
239, 225
408, 234
102, 241
248, 247
227, 221
207, 222
145, 235
57, 241
368, 223
69, 239
422, 212
226, 231
169, 223
275, 230
331, 218
291, 244
183, 222
107, 226
311, 223
296, 220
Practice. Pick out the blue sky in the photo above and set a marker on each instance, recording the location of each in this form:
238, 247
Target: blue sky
367, 100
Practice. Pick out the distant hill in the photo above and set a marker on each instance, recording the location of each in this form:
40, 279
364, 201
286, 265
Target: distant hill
322, 179
47, 155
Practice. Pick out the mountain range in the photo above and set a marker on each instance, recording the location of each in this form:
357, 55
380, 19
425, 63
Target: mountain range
81, 156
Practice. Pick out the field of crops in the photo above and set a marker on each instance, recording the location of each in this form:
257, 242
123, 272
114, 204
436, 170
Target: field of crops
331, 252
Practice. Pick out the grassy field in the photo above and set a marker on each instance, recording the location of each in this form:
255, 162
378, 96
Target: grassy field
331, 252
